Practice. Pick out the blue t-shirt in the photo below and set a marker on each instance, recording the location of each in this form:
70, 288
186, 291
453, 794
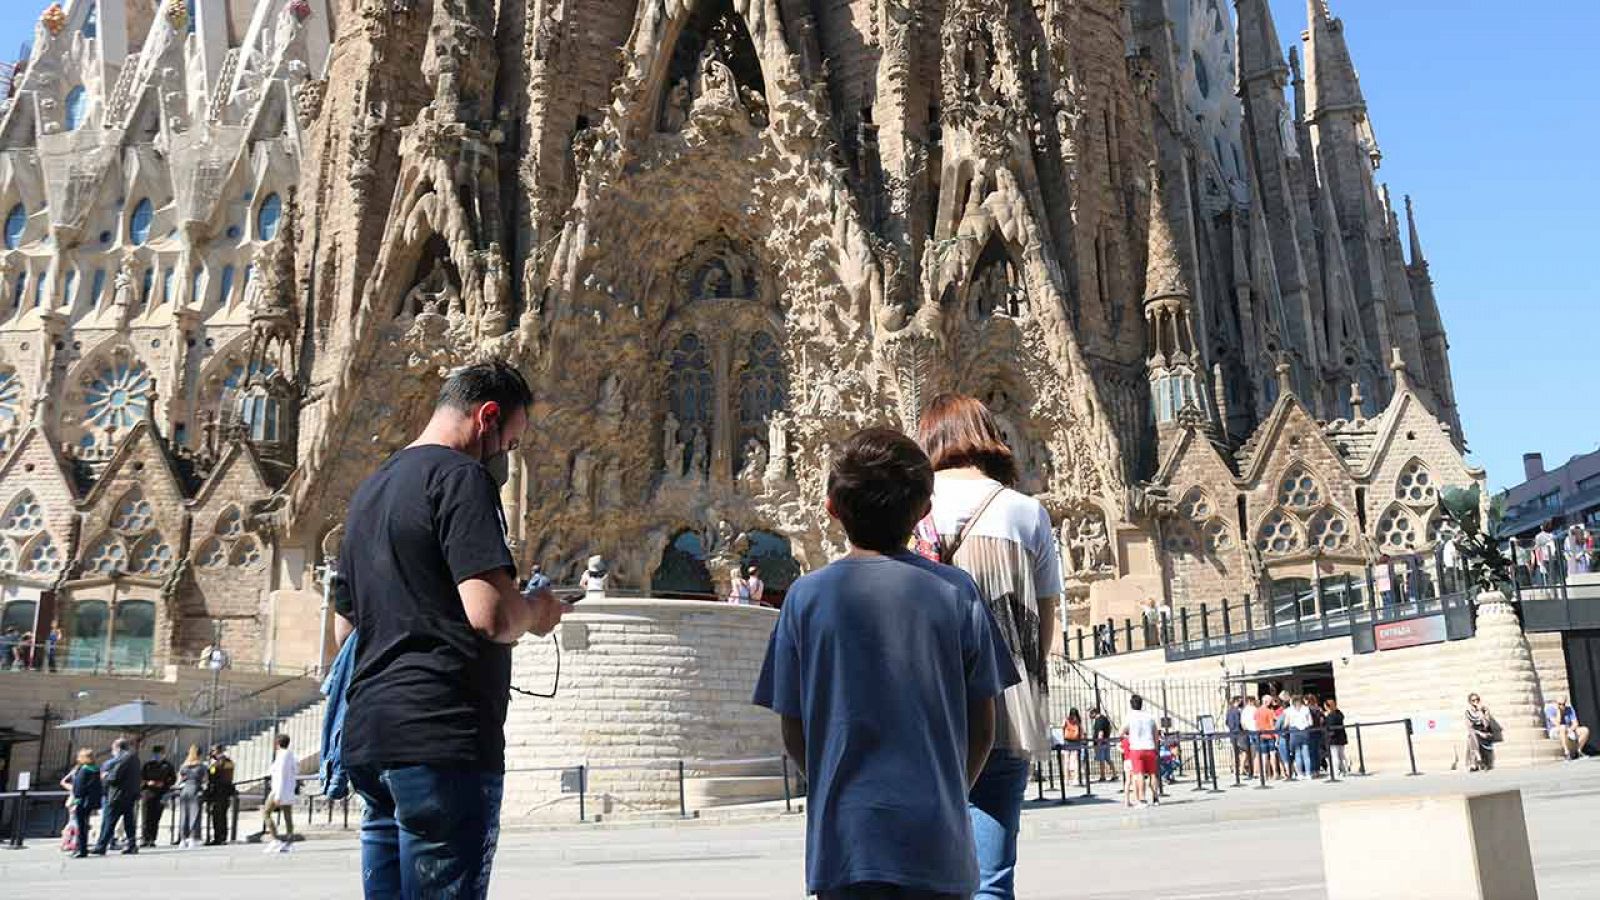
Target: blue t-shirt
879, 657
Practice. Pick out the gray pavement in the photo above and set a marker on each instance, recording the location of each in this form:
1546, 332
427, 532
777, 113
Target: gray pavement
1194, 846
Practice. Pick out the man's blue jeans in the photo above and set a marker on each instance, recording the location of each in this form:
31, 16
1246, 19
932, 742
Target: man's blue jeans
995, 808
429, 832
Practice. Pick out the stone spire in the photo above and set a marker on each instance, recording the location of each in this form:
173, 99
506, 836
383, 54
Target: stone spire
1419, 260
1331, 82
1260, 51
1164, 272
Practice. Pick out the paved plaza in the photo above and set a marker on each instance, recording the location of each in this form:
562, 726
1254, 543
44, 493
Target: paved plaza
1192, 847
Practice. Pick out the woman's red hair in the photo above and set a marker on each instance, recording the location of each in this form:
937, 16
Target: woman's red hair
957, 431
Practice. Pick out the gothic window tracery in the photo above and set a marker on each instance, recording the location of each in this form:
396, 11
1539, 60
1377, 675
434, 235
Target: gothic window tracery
10, 399
42, 556
268, 216
1299, 489
119, 395
1415, 484
246, 554
16, 226
1217, 534
691, 389
1330, 531
1398, 529
230, 523
211, 554
8, 557
139, 222
153, 556
134, 514
762, 392
77, 108
24, 516
106, 555
1279, 534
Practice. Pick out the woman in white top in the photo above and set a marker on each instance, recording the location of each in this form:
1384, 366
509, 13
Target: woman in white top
1003, 539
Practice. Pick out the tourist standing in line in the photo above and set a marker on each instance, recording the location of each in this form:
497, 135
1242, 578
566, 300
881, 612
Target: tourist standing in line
87, 795
1072, 736
1297, 723
1338, 738
738, 587
1144, 741
885, 668
1267, 749
191, 787
219, 793
1248, 719
1316, 738
1004, 540
433, 596
1482, 731
754, 586
1102, 743
282, 784
156, 777
121, 779
1233, 720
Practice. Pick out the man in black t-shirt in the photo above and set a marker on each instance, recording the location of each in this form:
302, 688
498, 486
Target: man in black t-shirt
1100, 729
430, 589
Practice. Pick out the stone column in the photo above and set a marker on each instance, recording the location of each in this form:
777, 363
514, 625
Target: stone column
1509, 684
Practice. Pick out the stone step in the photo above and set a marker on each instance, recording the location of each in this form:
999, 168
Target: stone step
710, 792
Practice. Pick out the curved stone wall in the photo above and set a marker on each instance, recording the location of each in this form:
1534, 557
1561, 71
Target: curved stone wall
643, 684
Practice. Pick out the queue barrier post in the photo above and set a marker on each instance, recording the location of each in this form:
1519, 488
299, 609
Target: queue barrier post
19, 819
1361, 753
788, 796
1411, 750
683, 803
583, 788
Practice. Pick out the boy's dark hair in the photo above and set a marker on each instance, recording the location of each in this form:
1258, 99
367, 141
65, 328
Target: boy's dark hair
283, 742
879, 482
494, 380
1136, 701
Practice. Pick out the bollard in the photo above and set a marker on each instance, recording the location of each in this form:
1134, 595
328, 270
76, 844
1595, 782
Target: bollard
1361, 753
20, 820
683, 806
1211, 760
1061, 766
1199, 769
346, 813
1038, 779
233, 830
1411, 750
1237, 782
1083, 766
788, 806
583, 787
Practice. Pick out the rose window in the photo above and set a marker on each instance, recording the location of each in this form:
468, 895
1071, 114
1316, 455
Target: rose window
1398, 529
119, 396
1415, 484
1278, 534
1299, 490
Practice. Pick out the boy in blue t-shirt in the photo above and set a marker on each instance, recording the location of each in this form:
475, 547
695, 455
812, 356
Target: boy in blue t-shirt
884, 666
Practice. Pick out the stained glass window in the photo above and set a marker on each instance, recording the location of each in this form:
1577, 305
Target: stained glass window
225, 293
119, 396
24, 515
139, 224
97, 287
70, 285
267, 218
134, 514
16, 224
107, 555
692, 392
20, 291
43, 557
77, 107
762, 391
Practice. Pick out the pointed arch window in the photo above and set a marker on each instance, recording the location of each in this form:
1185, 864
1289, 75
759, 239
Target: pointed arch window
42, 557
1279, 534
230, 524
134, 514
19, 291
147, 288
168, 277
1330, 531
16, 225
691, 390
225, 292
268, 216
1299, 489
106, 555
91, 22
97, 287
246, 554
1196, 505
1415, 484
24, 516
197, 285
38, 291
153, 556
69, 286
1398, 529
762, 391
995, 289
77, 107
211, 555
139, 222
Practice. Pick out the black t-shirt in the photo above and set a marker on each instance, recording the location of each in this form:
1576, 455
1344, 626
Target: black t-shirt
1102, 728
427, 688
1336, 732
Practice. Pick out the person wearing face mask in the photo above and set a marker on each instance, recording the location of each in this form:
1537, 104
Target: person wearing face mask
432, 594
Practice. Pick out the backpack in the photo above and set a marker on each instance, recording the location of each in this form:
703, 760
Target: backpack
927, 542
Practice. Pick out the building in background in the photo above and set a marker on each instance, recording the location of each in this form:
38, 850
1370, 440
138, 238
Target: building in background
244, 241
1566, 495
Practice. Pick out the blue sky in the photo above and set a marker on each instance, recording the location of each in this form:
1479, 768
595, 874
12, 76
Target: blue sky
1487, 117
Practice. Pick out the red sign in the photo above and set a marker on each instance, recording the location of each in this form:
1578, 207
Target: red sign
1410, 633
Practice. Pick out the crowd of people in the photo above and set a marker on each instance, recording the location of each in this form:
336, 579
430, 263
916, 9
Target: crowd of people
131, 795
19, 649
1287, 736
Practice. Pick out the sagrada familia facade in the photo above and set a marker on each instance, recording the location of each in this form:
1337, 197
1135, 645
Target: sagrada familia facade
245, 240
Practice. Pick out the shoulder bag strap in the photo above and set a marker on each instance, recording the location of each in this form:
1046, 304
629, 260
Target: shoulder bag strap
947, 551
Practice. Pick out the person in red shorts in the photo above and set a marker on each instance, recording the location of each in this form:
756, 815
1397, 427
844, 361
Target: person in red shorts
1143, 736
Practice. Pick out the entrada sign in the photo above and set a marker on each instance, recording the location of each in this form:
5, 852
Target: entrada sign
1409, 633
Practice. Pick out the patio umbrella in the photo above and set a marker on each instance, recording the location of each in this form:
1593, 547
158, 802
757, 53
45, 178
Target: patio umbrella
141, 717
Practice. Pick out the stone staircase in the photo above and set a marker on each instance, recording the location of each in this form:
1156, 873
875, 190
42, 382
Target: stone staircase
252, 757
738, 783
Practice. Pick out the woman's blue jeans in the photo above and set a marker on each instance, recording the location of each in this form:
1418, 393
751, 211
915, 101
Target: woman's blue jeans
429, 832
995, 808
1300, 747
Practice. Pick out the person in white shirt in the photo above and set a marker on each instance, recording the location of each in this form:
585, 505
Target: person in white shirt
594, 578
280, 797
1298, 722
1144, 736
